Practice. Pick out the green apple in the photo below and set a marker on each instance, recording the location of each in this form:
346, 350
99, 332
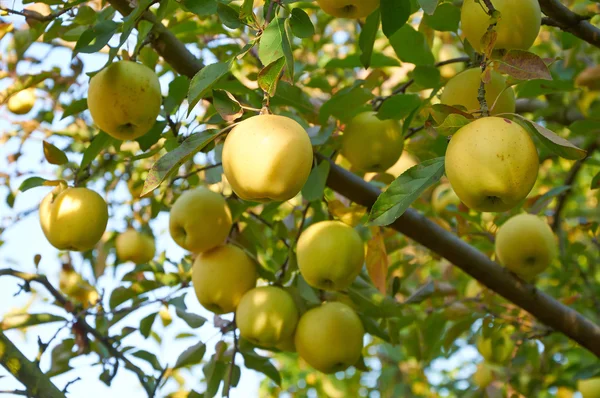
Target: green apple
589, 388
22, 102
199, 220
73, 218
267, 157
348, 8
371, 144
492, 164
530, 259
135, 246
442, 197
330, 255
221, 277
330, 337
124, 99
267, 316
496, 348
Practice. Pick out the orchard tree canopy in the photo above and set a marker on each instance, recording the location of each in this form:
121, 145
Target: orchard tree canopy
338, 198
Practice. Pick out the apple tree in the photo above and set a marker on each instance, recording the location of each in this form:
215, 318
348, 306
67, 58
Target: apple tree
337, 198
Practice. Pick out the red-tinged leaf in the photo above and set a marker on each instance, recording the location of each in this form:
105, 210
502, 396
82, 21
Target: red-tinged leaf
523, 65
441, 111
377, 259
54, 155
228, 107
486, 76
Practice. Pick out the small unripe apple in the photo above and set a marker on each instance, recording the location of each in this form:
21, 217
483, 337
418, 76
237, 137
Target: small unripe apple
221, 277
22, 102
348, 8
526, 259
267, 316
330, 337
496, 348
442, 197
124, 99
135, 246
73, 218
492, 164
371, 144
330, 255
267, 157
199, 220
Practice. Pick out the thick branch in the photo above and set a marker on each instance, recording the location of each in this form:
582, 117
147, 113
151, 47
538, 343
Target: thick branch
27, 372
569, 21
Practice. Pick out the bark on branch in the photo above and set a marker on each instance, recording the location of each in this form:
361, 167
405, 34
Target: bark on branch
562, 17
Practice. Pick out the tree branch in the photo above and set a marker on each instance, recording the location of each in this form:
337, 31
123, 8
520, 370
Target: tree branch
27, 372
562, 17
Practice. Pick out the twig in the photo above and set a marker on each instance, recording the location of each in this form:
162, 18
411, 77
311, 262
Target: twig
191, 173
232, 364
562, 17
66, 388
157, 385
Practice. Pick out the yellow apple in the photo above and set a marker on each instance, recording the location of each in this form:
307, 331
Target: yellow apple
22, 102
517, 28
221, 277
463, 89
124, 99
330, 337
371, 144
496, 348
589, 388
405, 162
267, 316
73, 218
483, 376
267, 157
330, 255
348, 8
287, 345
564, 392
492, 164
199, 220
135, 246
442, 197
526, 245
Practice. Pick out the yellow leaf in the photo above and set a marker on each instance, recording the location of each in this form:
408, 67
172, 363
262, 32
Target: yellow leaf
377, 259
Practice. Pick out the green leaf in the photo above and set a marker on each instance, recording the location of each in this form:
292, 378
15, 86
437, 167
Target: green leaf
201, 8
203, 81
33, 182
595, 182
269, 76
546, 198
293, 96
24, 320
214, 373
191, 356
399, 106
146, 324
274, 44
315, 185
261, 364
99, 34
457, 330
394, 15
345, 103
421, 294
228, 107
151, 137
178, 89
428, 6
368, 34
148, 357
170, 162
452, 123
301, 24
74, 108
427, 76
418, 52
229, 16
54, 155
194, 321
407, 188
445, 18
98, 144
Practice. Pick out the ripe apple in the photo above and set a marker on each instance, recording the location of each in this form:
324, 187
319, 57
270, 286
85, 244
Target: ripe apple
371, 144
330, 255
483, 376
526, 260
492, 164
124, 99
221, 277
463, 89
73, 218
267, 157
22, 102
517, 28
442, 197
496, 348
267, 316
135, 246
330, 337
348, 8
589, 388
199, 220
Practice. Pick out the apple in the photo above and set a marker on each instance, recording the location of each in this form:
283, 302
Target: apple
483, 376
492, 164
589, 388
267, 157
348, 8
76, 288
73, 218
530, 259
496, 348
517, 28
267, 316
371, 144
221, 277
22, 102
330, 255
442, 197
463, 90
124, 99
135, 246
199, 220
330, 337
